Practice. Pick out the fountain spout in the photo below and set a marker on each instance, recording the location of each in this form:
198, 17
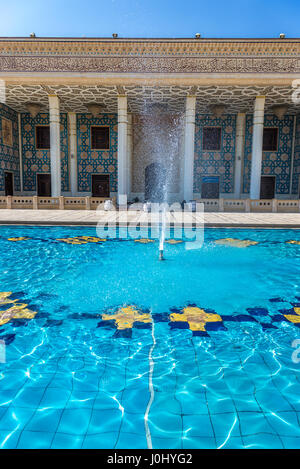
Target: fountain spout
162, 235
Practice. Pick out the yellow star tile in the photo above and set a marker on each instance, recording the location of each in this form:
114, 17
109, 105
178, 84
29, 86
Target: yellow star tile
174, 241
144, 240
196, 317
17, 311
126, 316
81, 240
238, 243
20, 238
292, 318
292, 241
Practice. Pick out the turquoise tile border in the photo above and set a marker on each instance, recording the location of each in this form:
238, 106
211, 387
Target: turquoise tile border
215, 163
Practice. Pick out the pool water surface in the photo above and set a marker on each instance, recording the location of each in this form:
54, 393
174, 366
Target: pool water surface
103, 346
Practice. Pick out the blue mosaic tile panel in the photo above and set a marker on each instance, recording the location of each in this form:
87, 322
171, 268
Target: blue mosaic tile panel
96, 161
38, 161
215, 163
9, 155
296, 172
274, 163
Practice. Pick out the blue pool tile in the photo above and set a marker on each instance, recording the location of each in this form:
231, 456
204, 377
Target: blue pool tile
200, 334
133, 423
199, 442
166, 443
104, 402
100, 441
80, 399
35, 440
262, 440
45, 420
64, 441
246, 403
74, 421
215, 326
287, 311
258, 311
230, 442
132, 441
266, 326
271, 400
192, 402
284, 423
221, 404
55, 398
278, 299
9, 439
15, 418
225, 424
179, 325
53, 323
197, 425
7, 338
105, 421
291, 442
239, 318
253, 422
279, 318
164, 422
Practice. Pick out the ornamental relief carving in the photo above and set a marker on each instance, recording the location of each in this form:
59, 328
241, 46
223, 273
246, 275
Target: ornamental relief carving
149, 65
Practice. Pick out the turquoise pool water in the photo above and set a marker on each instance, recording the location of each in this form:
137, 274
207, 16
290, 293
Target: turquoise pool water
118, 350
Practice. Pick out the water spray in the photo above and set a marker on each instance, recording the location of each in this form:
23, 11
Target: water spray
162, 235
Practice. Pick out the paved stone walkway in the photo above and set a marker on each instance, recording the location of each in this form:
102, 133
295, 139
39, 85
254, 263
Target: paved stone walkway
92, 217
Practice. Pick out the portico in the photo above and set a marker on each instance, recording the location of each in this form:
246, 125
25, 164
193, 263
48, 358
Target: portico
233, 120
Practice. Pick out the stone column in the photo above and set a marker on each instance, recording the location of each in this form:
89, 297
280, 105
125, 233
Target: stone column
239, 153
257, 145
129, 154
55, 145
189, 144
122, 146
73, 152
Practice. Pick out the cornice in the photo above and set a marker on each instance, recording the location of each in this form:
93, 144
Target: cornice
150, 47
149, 55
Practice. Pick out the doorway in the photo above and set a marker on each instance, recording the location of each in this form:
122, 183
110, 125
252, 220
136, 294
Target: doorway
155, 182
100, 185
8, 183
267, 187
210, 187
44, 185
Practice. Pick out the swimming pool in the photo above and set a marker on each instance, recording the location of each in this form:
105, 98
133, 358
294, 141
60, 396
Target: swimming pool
106, 347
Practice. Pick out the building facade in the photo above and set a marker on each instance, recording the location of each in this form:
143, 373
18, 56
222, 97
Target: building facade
104, 117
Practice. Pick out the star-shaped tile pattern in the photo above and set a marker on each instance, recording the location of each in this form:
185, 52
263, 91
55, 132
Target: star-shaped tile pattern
14, 310
293, 315
198, 320
237, 243
144, 240
125, 319
20, 238
82, 240
293, 241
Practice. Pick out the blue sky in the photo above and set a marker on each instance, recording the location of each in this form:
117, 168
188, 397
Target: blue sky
150, 18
